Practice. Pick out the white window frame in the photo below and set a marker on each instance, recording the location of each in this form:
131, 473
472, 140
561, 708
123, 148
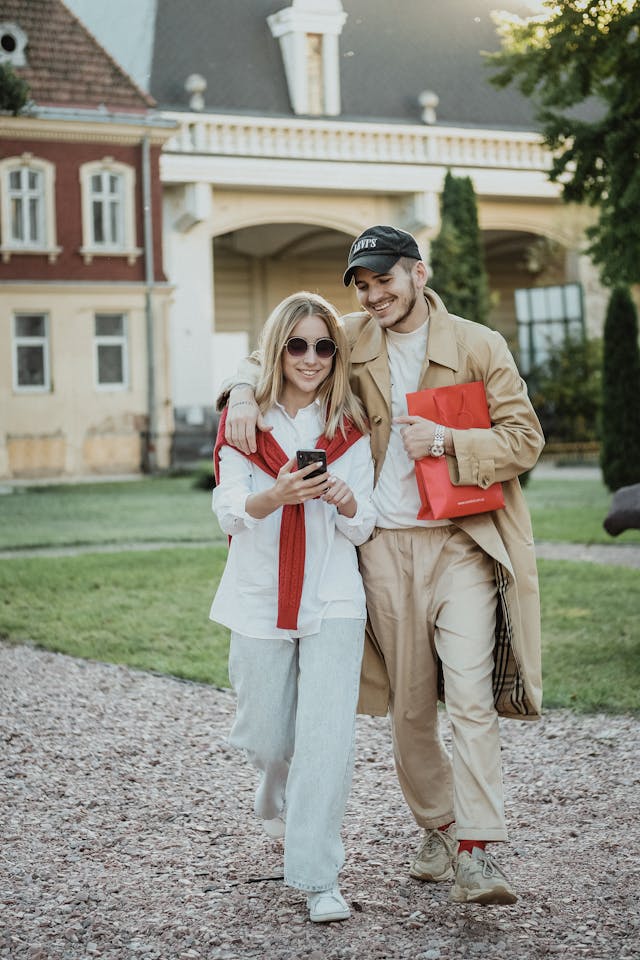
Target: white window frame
45, 243
111, 340
40, 341
545, 317
125, 244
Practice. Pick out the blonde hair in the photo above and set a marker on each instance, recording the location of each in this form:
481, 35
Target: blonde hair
337, 400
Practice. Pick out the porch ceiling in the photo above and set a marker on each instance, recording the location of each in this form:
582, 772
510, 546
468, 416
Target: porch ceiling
279, 240
503, 244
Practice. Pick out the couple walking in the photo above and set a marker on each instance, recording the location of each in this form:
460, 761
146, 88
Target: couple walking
339, 600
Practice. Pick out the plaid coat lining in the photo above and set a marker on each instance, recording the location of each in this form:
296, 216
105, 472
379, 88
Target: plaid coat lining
509, 694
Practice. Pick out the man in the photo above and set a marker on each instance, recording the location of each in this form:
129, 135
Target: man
453, 604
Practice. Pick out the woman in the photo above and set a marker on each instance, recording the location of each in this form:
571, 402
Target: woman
291, 591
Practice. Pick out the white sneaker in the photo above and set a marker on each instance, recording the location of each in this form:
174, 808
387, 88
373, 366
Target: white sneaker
327, 905
435, 860
479, 879
274, 828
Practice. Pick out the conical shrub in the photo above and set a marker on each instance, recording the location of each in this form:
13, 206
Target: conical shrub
620, 428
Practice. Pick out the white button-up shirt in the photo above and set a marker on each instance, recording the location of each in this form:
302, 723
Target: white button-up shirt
247, 598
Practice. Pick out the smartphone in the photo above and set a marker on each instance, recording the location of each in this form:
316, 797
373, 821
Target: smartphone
305, 457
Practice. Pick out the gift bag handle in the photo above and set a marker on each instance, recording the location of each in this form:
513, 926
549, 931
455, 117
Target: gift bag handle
462, 417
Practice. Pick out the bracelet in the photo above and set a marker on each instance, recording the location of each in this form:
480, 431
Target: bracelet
240, 403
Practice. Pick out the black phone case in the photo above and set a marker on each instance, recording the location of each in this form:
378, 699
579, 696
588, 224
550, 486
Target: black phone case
305, 457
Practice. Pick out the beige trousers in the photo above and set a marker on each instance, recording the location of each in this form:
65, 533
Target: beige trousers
431, 595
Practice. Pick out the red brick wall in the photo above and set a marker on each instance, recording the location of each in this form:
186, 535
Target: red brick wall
67, 158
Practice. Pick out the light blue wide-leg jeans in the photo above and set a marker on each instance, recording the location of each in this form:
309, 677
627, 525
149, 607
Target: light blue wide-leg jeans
295, 718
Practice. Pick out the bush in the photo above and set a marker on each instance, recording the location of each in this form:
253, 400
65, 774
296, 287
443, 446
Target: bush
14, 92
203, 478
566, 391
620, 449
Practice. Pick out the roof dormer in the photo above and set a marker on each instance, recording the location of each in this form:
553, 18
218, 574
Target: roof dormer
308, 32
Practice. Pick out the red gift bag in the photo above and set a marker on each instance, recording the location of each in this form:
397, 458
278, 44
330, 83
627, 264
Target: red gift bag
460, 406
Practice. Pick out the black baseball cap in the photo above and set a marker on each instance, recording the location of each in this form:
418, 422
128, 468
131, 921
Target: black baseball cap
378, 248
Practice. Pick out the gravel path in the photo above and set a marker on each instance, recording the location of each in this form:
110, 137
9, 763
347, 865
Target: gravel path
127, 834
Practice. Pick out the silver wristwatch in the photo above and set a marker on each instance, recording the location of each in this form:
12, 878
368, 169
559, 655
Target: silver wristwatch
437, 447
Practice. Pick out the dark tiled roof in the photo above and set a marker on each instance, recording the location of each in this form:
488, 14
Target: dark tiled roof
67, 67
389, 54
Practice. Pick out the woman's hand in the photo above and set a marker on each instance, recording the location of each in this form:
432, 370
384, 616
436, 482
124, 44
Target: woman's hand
291, 487
294, 486
341, 496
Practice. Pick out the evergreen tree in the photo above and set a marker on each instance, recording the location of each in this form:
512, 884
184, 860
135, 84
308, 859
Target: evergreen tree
620, 444
14, 91
457, 258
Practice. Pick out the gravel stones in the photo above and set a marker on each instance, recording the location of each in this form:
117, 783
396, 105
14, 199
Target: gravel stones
127, 833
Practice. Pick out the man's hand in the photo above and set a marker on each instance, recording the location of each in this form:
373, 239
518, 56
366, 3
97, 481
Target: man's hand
417, 437
243, 416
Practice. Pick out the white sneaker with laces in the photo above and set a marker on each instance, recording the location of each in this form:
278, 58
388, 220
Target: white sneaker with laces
327, 905
479, 879
435, 859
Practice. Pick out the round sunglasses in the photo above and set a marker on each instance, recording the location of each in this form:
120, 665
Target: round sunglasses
325, 348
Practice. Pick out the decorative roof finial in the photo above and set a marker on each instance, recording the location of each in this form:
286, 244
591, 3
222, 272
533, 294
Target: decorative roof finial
428, 100
195, 84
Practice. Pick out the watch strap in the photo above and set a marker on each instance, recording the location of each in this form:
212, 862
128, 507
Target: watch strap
437, 446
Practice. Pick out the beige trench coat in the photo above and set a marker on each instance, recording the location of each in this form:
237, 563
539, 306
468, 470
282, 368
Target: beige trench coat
460, 351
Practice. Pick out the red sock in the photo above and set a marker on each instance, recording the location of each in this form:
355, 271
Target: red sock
468, 845
445, 826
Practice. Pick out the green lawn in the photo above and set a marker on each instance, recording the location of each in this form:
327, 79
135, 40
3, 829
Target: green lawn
163, 508
150, 610
572, 510
590, 636
172, 509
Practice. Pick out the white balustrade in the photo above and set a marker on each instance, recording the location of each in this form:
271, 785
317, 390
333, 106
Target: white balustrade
230, 136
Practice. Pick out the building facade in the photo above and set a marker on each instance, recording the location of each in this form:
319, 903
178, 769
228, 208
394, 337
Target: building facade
84, 367
294, 125
328, 117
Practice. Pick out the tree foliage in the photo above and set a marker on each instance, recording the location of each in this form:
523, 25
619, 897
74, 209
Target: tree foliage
579, 62
566, 391
14, 91
620, 444
457, 258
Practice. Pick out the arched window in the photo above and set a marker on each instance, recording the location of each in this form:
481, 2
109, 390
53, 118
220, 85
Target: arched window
108, 210
27, 207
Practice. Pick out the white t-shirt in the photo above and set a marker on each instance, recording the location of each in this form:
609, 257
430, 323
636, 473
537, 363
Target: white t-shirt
396, 496
247, 598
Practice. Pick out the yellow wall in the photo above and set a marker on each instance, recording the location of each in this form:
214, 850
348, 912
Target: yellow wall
77, 428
